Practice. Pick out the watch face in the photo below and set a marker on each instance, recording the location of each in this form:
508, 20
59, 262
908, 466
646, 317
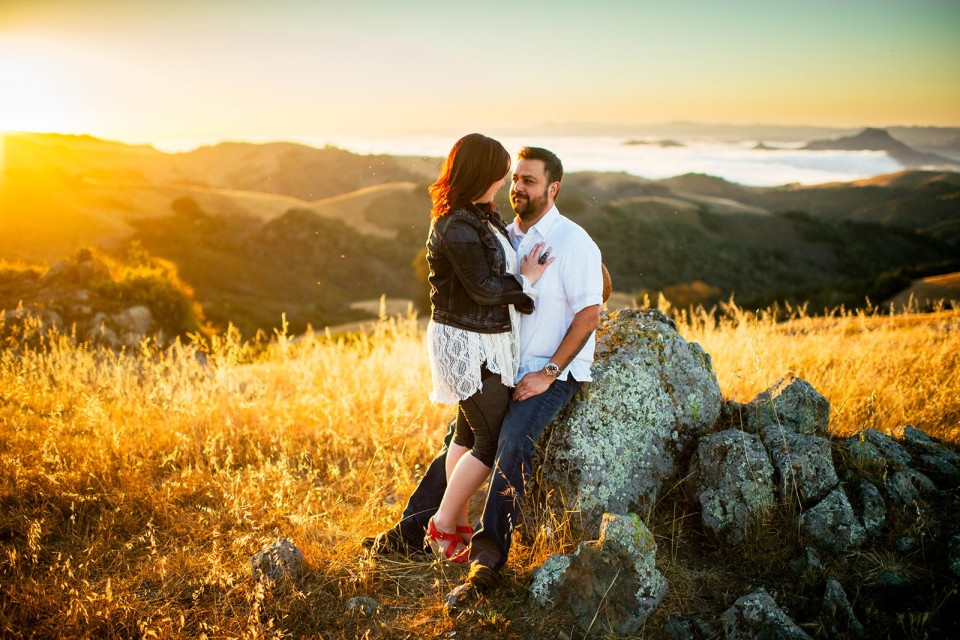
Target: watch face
551, 369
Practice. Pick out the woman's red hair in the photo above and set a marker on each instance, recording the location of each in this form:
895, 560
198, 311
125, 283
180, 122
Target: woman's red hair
475, 162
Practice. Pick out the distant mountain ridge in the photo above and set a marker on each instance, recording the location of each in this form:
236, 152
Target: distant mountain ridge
871, 139
260, 230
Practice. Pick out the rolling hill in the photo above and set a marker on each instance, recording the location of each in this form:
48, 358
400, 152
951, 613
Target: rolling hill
259, 230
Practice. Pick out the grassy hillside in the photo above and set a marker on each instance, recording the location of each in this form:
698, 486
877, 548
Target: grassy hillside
250, 272
929, 292
135, 489
258, 230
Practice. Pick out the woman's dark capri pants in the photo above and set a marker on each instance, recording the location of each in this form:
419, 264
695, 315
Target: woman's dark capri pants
480, 417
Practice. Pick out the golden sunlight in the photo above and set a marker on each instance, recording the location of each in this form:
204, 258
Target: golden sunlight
33, 97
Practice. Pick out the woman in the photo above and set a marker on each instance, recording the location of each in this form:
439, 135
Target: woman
476, 292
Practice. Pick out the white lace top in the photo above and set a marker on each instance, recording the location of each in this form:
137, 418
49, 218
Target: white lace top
456, 355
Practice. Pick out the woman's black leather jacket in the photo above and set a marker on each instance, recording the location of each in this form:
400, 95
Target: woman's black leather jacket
469, 285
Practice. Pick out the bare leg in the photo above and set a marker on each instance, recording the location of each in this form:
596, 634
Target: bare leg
466, 478
454, 453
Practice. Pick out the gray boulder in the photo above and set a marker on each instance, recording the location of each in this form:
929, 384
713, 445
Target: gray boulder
874, 509
942, 467
831, 525
276, 560
953, 555
363, 605
618, 445
803, 464
837, 614
870, 447
932, 457
136, 320
790, 403
101, 333
757, 616
611, 585
732, 478
904, 487
906, 544
916, 438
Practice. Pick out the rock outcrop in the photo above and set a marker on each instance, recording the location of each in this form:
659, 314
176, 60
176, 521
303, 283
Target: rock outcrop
609, 585
277, 560
831, 525
757, 616
803, 464
617, 447
732, 479
792, 404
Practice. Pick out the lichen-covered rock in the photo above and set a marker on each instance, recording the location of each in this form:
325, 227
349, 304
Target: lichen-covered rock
362, 604
905, 486
837, 614
932, 457
609, 585
790, 403
548, 580
893, 581
618, 444
831, 525
906, 544
874, 448
803, 464
757, 616
732, 478
953, 555
276, 560
916, 438
942, 467
874, 509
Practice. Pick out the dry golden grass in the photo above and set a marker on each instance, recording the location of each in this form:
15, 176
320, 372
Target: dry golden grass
879, 371
135, 487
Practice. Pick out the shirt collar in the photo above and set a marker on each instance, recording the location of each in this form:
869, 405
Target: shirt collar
542, 227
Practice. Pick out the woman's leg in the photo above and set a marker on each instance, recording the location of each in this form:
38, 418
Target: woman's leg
484, 412
444, 520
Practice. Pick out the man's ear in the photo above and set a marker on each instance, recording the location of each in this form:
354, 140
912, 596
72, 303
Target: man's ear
554, 189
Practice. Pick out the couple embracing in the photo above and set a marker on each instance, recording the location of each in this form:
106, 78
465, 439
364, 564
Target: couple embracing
511, 338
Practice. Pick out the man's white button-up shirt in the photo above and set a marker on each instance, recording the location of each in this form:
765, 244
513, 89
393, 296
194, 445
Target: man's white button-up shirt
572, 282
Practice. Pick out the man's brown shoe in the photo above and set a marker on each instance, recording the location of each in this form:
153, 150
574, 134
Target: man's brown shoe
480, 580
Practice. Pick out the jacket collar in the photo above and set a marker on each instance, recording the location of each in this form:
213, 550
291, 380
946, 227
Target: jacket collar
489, 214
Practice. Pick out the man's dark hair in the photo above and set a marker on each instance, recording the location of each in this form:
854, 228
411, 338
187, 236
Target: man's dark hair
551, 163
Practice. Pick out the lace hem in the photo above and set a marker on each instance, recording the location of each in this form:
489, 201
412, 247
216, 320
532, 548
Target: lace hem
456, 356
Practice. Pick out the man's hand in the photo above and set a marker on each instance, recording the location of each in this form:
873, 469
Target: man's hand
532, 384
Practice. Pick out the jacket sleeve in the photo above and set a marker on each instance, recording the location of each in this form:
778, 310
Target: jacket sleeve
464, 248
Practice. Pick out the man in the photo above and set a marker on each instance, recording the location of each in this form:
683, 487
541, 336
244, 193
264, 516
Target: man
556, 352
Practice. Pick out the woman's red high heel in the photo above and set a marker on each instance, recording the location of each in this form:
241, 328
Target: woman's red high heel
451, 553
465, 530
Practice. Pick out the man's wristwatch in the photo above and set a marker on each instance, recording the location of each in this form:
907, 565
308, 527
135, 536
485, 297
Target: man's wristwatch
551, 370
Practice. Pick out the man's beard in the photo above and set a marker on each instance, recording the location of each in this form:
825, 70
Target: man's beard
528, 208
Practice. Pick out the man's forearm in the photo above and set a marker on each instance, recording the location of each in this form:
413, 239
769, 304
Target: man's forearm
584, 323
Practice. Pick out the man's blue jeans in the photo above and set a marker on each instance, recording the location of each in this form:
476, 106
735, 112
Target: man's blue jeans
522, 427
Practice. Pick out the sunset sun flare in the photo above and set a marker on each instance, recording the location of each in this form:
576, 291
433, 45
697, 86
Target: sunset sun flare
35, 95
